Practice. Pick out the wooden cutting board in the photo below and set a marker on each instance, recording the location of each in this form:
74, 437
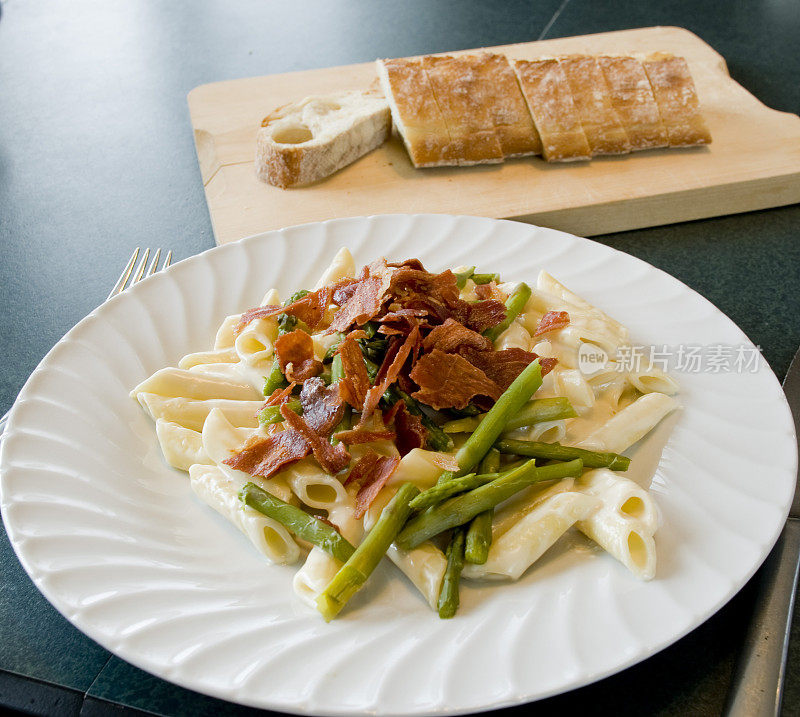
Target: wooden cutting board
753, 162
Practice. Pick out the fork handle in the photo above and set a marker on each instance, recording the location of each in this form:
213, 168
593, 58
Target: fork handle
757, 687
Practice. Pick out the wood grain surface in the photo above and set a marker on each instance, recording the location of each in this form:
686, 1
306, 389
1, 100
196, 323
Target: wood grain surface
753, 163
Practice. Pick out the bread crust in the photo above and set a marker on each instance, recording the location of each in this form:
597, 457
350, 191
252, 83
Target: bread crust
677, 100
340, 128
549, 101
600, 122
632, 98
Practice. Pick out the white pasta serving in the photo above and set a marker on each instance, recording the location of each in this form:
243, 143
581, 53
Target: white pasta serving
443, 420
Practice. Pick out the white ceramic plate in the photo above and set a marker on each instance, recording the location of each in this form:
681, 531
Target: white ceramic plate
118, 543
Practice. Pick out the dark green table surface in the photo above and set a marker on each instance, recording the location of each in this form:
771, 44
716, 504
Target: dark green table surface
97, 156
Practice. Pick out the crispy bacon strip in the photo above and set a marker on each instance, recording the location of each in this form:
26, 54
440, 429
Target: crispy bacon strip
343, 289
295, 353
481, 315
386, 378
322, 405
400, 321
355, 382
357, 435
412, 282
279, 396
408, 264
490, 291
452, 336
310, 309
552, 321
266, 456
504, 366
370, 474
410, 432
367, 298
331, 458
450, 381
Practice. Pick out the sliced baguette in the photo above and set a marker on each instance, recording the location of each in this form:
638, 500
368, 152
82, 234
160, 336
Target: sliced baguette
632, 98
415, 113
549, 99
306, 141
677, 101
466, 106
590, 94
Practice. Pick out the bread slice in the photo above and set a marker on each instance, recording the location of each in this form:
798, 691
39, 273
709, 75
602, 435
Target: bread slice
505, 105
632, 99
677, 101
415, 112
600, 122
464, 101
306, 141
549, 100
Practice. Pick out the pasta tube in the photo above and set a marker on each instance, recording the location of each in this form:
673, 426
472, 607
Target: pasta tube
221, 492
526, 541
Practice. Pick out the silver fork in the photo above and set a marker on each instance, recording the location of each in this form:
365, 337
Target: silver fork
142, 271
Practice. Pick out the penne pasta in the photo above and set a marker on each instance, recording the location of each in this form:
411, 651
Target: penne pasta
191, 413
527, 540
181, 383
182, 447
631, 424
223, 355
341, 267
221, 492
653, 380
625, 522
226, 337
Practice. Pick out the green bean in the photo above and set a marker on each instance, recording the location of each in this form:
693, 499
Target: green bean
272, 414
334, 347
485, 278
302, 524
354, 573
337, 373
536, 411
463, 276
286, 324
479, 533
466, 506
489, 430
442, 491
337, 369
479, 538
557, 452
515, 304
448, 593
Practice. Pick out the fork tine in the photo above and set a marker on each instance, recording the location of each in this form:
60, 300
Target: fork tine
142, 264
126, 272
153, 264
168, 260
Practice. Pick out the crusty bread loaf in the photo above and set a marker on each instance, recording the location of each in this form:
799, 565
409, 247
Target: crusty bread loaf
306, 141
